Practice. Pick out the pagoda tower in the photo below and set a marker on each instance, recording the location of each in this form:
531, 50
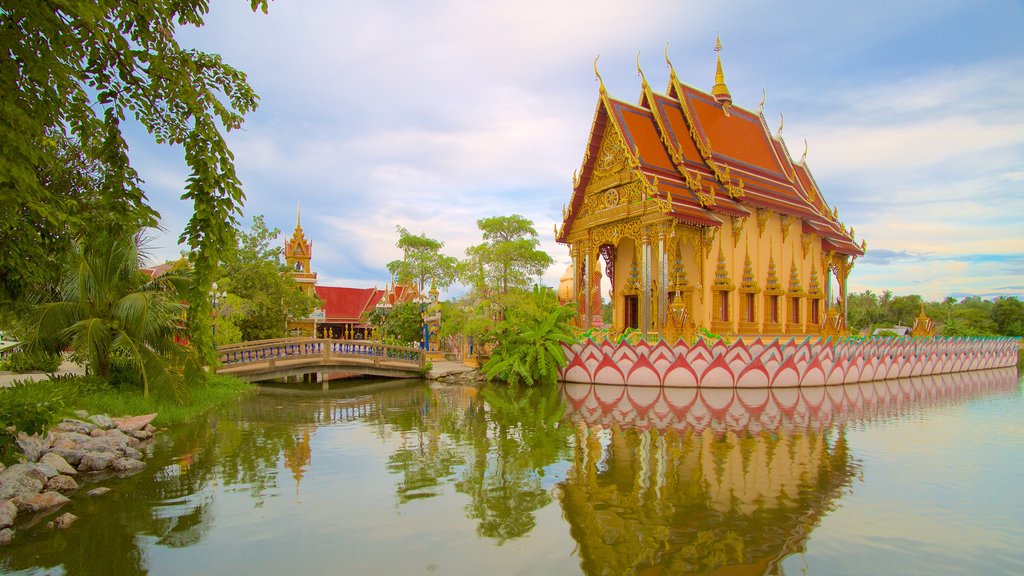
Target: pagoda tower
297, 254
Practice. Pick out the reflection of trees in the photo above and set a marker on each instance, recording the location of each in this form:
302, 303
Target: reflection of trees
639, 500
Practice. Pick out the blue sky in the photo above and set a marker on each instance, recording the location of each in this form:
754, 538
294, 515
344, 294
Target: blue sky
431, 115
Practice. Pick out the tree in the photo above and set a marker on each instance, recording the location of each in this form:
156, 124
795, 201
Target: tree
1008, 314
107, 305
422, 261
508, 258
530, 341
80, 69
402, 324
262, 292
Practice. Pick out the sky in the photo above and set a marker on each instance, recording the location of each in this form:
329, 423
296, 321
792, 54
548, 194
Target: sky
432, 115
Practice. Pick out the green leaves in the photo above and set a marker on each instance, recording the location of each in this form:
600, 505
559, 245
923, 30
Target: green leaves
422, 262
530, 341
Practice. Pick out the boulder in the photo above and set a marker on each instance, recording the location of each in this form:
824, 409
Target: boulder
98, 491
128, 425
31, 446
47, 470
72, 456
62, 484
8, 512
141, 435
20, 479
63, 521
96, 461
59, 463
103, 421
130, 452
68, 440
150, 428
32, 503
72, 425
128, 465
6, 535
97, 432
107, 443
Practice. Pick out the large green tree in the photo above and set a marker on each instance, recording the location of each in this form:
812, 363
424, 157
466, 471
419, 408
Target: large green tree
422, 262
262, 292
82, 69
508, 258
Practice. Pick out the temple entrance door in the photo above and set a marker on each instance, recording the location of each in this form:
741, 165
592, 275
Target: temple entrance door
632, 305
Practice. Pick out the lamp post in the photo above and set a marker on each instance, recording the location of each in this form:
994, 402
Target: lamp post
216, 299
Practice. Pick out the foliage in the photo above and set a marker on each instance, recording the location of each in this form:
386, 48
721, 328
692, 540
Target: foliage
262, 292
80, 69
401, 324
530, 341
508, 258
422, 261
970, 316
21, 361
107, 305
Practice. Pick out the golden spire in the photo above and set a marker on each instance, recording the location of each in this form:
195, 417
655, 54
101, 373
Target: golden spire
671, 68
298, 215
720, 91
640, 73
598, 74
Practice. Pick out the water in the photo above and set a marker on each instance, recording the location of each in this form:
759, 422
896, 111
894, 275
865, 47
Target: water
910, 477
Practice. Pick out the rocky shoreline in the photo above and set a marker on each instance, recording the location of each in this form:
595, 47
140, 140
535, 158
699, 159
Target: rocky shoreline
42, 482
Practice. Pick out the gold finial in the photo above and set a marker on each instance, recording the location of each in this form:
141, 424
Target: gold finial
782, 122
671, 68
641, 72
720, 90
764, 97
803, 159
298, 214
598, 74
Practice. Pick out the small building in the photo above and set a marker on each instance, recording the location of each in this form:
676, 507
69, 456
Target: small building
698, 215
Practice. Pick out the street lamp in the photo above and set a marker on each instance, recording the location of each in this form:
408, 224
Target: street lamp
216, 299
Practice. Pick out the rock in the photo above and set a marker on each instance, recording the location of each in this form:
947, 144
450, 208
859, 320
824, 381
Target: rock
141, 435
59, 463
128, 465
97, 432
130, 452
108, 443
69, 440
8, 512
96, 461
150, 428
47, 470
63, 521
81, 414
62, 484
6, 535
31, 446
103, 421
32, 503
20, 479
128, 425
98, 491
72, 425
72, 456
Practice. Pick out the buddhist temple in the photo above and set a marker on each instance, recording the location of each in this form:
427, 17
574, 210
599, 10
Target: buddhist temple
345, 311
700, 218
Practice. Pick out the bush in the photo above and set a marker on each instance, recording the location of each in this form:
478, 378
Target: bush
23, 361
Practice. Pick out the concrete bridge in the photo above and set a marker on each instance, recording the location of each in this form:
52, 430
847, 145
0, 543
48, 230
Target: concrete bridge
281, 358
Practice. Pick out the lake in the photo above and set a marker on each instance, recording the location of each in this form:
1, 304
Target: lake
917, 476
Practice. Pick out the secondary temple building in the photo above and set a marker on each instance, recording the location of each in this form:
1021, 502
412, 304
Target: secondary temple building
699, 217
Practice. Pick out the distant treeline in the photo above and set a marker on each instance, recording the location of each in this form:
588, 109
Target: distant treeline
972, 316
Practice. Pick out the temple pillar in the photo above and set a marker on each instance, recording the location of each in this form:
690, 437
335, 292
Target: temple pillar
645, 285
589, 288
662, 283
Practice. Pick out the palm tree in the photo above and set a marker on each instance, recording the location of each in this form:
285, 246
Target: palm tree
106, 304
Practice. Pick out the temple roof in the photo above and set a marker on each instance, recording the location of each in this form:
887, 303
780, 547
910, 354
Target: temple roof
347, 305
688, 141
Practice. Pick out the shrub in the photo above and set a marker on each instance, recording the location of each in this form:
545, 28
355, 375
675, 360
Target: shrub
23, 361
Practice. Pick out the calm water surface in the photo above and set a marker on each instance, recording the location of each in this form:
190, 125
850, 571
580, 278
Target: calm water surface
904, 477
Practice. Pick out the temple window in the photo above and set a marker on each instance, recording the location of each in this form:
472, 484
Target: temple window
773, 309
723, 306
748, 315
794, 310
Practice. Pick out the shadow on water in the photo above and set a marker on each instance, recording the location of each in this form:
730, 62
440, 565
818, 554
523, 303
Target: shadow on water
660, 480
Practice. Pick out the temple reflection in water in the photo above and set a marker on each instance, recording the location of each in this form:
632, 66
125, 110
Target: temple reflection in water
669, 481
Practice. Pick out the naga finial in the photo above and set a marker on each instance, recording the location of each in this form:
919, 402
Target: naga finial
764, 97
671, 68
803, 159
641, 72
598, 74
782, 122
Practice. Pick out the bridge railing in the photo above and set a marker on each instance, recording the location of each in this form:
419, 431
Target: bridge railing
299, 348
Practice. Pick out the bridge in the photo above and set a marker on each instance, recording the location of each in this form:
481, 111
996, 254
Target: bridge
285, 357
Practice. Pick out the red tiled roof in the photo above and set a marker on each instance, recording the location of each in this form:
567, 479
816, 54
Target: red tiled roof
347, 305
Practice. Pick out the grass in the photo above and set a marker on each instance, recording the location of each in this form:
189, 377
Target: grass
61, 396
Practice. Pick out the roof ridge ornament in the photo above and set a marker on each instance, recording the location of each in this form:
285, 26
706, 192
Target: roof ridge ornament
640, 73
671, 68
720, 90
764, 97
598, 74
782, 122
803, 159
